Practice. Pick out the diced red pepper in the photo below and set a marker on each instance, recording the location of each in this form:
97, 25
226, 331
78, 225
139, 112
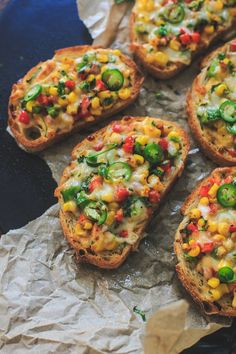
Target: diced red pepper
182, 30
185, 38
100, 86
82, 219
204, 191
195, 37
119, 215
233, 46
154, 196
191, 227
70, 84
84, 108
163, 144
207, 247
232, 228
121, 194
123, 233
24, 117
128, 146
96, 182
228, 179
213, 208
117, 128
99, 146
232, 152
166, 167
43, 100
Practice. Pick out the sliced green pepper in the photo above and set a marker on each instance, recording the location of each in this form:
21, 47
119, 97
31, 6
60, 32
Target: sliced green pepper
208, 115
113, 78
119, 171
174, 13
70, 193
33, 93
96, 211
226, 195
92, 159
226, 274
228, 111
153, 153
138, 148
232, 129
212, 70
81, 199
53, 111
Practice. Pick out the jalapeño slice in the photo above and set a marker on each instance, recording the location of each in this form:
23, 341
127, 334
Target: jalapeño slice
225, 274
119, 171
33, 93
228, 111
174, 13
113, 78
96, 211
70, 193
226, 195
153, 153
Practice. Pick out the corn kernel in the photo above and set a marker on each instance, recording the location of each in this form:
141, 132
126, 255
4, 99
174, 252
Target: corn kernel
142, 139
117, 52
126, 73
173, 135
201, 222
213, 282
104, 68
95, 103
62, 102
192, 46
110, 218
72, 97
88, 225
216, 294
79, 231
217, 5
223, 228
102, 58
107, 197
150, 5
192, 243
213, 190
221, 251
175, 45
212, 226
209, 29
52, 91
204, 201
152, 131
71, 109
160, 58
195, 251
29, 106
220, 89
70, 206
234, 300
124, 93
138, 159
185, 246
194, 213
228, 244
104, 94
96, 112
90, 78
114, 206
116, 138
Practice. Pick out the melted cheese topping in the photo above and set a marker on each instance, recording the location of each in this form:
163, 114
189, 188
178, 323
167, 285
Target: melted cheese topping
170, 31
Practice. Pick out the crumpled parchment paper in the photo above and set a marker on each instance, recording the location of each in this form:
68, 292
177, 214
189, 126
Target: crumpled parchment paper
49, 305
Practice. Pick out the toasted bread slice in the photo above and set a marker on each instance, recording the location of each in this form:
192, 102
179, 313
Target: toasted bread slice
78, 86
205, 245
162, 39
206, 94
134, 163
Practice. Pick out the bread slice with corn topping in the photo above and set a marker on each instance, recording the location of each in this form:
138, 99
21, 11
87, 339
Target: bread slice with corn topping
117, 178
78, 86
205, 243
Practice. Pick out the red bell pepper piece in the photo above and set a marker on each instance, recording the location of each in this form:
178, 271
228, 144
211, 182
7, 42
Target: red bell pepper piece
128, 145
70, 84
123, 233
99, 146
204, 191
119, 215
232, 152
185, 38
154, 196
96, 182
121, 194
191, 227
24, 117
100, 86
43, 100
163, 144
117, 128
233, 46
195, 37
232, 228
207, 247
84, 108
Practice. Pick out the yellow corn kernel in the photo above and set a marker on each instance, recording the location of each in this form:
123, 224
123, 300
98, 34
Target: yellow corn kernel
212, 226
95, 103
104, 68
228, 244
159, 22
62, 102
216, 294
71, 109
90, 78
194, 213
126, 73
124, 93
72, 97
175, 45
142, 139
102, 58
213, 282
115, 138
201, 222
173, 135
213, 190
110, 217
96, 112
220, 89
117, 52
107, 197
150, 5
226, 61
217, 5
144, 192
70, 206
192, 46
98, 77
204, 201
64, 67
52, 91
192, 243
138, 159
160, 58
29, 106
88, 225
185, 246
113, 206
79, 231
209, 29
221, 251
234, 300
152, 131
195, 251
104, 94
223, 228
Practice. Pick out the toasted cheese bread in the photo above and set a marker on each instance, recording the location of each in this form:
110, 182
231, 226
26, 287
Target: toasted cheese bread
205, 243
78, 86
211, 105
117, 178
166, 35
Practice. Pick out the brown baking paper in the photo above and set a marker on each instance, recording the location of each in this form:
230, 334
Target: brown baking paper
48, 304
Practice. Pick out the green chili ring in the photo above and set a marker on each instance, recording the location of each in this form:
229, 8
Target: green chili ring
226, 195
174, 13
228, 111
113, 78
119, 171
96, 211
33, 93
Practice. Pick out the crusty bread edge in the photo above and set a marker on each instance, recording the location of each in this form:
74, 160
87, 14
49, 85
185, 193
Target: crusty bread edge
44, 142
118, 260
182, 269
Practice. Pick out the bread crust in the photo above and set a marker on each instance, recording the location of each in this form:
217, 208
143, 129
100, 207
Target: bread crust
116, 260
209, 149
186, 276
173, 69
44, 142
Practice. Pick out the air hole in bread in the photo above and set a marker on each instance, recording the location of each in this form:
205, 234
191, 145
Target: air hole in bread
32, 133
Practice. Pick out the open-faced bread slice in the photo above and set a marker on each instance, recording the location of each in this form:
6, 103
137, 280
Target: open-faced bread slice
166, 35
211, 105
205, 243
116, 179
78, 86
